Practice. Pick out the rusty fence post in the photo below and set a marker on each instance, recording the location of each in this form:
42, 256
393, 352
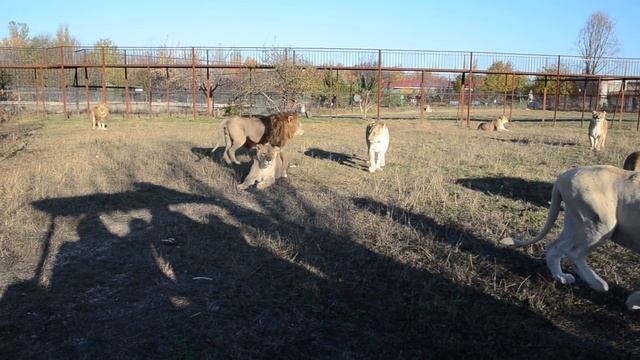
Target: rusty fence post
470, 89
149, 92
103, 77
166, 91
86, 83
544, 101
557, 97
42, 90
63, 82
193, 80
463, 81
598, 94
379, 93
504, 103
127, 103
584, 99
422, 96
622, 104
513, 89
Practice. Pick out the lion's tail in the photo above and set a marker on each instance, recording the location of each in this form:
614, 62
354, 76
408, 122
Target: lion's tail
554, 210
222, 135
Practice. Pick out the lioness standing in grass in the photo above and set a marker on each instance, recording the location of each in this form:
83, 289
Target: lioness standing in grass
598, 128
377, 136
99, 115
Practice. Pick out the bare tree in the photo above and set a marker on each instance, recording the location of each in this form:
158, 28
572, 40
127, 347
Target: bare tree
597, 40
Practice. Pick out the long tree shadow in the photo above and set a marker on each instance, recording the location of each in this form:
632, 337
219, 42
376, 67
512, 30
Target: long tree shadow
121, 290
536, 192
341, 158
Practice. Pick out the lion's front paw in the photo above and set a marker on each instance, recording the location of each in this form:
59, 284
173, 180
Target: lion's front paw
565, 279
633, 301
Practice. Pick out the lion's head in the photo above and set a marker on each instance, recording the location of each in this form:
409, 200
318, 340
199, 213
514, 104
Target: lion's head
599, 115
375, 131
283, 127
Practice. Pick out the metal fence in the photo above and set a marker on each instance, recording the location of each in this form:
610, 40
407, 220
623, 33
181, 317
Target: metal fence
205, 80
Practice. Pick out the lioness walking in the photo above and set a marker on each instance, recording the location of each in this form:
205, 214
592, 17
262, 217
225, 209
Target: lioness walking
598, 128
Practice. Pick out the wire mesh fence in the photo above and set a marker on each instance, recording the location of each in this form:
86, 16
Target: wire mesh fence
230, 80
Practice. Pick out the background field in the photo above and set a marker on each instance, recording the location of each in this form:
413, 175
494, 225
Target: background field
332, 262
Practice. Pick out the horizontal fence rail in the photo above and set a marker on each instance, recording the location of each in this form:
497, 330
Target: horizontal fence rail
214, 80
321, 58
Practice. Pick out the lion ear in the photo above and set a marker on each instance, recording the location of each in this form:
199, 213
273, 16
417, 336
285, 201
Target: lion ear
258, 147
594, 112
290, 118
605, 113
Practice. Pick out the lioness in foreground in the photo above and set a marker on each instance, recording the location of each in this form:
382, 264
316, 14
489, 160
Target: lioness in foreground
377, 137
598, 128
632, 162
601, 202
266, 168
99, 116
495, 125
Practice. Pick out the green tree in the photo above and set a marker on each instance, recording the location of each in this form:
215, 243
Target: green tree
502, 83
566, 87
112, 55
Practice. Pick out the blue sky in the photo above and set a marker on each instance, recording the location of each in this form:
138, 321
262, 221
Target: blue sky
540, 27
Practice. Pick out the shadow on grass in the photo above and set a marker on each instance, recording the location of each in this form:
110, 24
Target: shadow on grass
537, 142
535, 192
341, 158
516, 261
241, 283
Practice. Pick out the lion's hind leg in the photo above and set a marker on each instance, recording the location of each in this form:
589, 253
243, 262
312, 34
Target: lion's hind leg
576, 241
557, 250
595, 232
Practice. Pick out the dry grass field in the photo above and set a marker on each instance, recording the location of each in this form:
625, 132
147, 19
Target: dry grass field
134, 243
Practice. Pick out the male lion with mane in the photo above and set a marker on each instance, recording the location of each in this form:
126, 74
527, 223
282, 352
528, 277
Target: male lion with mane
99, 116
495, 125
601, 202
276, 129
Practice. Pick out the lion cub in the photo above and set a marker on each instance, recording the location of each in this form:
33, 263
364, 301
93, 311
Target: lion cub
266, 168
99, 116
495, 125
377, 136
598, 128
